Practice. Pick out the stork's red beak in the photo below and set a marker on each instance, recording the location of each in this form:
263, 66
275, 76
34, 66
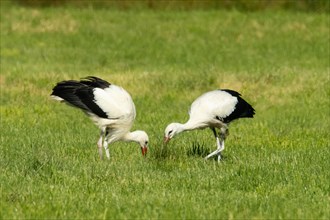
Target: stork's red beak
144, 150
166, 139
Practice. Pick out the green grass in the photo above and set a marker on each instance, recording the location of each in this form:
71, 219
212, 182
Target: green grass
275, 165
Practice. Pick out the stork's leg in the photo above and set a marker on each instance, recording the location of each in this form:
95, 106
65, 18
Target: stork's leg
221, 144
216, 152
100, 142
223, 134
219, 147
105, 145
99, 146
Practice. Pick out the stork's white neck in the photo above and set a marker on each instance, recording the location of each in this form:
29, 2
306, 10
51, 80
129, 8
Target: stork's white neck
132, 136
189, 125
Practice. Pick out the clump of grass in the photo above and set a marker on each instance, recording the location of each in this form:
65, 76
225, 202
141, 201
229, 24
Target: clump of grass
162, 152
198, 149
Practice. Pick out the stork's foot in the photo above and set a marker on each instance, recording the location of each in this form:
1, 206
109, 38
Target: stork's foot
217, 153
100, 153
214, 153
106, 148
107, 153
219, 156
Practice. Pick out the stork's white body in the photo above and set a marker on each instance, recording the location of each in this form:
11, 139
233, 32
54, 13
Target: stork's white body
109, 106
206, 108
120, 109
214, 109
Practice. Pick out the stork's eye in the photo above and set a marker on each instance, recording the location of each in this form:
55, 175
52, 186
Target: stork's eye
146, 142
170, 131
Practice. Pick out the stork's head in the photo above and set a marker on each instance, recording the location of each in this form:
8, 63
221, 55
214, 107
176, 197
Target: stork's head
171, 130
143, 140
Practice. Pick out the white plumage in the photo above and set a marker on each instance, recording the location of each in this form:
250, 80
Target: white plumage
115, 101
109, 106
214, 109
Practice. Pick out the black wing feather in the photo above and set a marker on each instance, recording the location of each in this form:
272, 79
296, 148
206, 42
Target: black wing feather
95, 82
67, 91
80, 94
242, 109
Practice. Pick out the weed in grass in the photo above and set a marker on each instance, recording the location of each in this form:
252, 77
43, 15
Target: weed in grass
161, 153
198, 150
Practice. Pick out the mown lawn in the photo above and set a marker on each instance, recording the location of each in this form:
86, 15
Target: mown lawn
275, 165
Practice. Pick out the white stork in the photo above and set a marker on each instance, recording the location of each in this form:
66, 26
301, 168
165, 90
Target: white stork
109, 106
214, 109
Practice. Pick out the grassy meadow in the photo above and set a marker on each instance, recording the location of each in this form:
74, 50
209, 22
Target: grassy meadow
275, 166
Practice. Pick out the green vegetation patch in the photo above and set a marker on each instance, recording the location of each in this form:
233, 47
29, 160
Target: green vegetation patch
275, 165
